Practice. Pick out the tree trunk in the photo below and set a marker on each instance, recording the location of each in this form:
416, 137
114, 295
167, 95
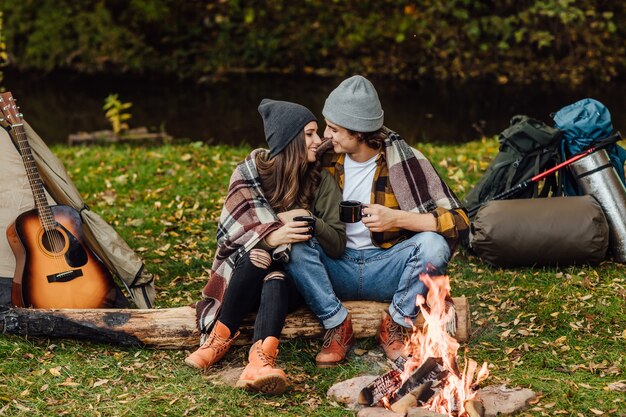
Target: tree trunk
175, 328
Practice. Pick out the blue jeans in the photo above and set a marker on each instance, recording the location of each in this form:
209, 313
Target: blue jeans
369, 274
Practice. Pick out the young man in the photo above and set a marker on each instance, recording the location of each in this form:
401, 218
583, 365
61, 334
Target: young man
411, 223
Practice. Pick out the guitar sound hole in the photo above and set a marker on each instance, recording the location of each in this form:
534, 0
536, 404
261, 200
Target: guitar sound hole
53, 241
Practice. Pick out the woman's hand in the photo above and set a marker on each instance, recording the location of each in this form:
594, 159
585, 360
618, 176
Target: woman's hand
290, 232
287, 216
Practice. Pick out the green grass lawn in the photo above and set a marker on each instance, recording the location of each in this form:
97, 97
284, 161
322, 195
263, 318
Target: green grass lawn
558, 331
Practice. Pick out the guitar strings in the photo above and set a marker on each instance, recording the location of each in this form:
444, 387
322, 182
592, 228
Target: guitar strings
55, 239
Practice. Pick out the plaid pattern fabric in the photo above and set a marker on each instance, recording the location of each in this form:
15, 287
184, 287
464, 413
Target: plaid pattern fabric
406, 180
246, 218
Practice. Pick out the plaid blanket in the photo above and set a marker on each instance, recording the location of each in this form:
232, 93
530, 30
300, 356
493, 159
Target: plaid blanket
416, 184
246, 218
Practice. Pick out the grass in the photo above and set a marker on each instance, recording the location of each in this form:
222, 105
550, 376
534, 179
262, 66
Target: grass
558, 331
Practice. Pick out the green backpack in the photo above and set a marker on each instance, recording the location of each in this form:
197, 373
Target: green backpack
527, 148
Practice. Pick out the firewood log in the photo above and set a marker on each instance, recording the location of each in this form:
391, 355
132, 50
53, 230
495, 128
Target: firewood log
175, 328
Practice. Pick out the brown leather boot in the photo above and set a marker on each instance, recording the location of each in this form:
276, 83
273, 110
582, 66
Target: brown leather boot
337, 342
261, 373
392, 337
215, 347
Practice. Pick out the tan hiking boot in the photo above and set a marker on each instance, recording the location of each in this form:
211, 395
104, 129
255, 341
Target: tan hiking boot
261, 373
337, 343
215, 347
392, 337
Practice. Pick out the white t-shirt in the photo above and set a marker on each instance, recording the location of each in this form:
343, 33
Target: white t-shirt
358, 183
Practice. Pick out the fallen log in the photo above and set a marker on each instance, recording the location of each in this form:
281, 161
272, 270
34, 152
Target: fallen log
175, 328
140, 134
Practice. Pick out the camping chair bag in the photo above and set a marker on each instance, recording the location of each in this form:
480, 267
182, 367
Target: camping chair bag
544, 231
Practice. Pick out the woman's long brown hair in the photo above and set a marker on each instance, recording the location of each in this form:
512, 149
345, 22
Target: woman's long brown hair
288, 179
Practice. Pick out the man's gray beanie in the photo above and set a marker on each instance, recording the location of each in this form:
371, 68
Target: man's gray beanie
282, 121
354, 105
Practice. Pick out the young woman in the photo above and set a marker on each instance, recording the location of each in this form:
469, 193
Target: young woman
255, 231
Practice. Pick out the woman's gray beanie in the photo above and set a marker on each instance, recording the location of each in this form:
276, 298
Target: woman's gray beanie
354, 105
282, 121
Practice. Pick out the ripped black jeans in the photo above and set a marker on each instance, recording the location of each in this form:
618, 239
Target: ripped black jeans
258, 283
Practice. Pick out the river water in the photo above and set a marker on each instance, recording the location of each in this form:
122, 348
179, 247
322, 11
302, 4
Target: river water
225, 112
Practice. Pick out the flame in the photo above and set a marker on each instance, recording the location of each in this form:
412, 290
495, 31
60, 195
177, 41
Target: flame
433, 341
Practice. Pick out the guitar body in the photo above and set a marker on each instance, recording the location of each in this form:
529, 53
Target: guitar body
54, 268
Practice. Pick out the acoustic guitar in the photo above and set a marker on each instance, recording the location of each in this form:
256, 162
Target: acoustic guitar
54, 267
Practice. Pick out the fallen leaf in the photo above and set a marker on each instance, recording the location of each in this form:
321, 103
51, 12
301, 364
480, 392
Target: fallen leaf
506, 333
55, 371
619, 386
100, 382
596, 412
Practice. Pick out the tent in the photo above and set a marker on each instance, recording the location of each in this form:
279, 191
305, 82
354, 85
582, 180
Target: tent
103, 240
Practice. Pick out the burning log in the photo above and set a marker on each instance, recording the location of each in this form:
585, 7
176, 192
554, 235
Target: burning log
392, 387
404, 403
431, 372
175, 328
432, 367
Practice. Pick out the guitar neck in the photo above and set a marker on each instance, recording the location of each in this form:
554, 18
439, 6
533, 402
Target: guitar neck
34, 179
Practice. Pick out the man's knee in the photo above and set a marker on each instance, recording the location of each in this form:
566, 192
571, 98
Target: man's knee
434, 252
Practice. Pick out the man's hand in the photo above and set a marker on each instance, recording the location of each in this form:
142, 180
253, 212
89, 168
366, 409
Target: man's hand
291, 232
287, 216
379, 218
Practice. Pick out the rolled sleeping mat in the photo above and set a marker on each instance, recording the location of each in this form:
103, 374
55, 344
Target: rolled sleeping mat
540, 231
597, 177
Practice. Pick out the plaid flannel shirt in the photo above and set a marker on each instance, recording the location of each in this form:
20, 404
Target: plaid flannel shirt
452, 221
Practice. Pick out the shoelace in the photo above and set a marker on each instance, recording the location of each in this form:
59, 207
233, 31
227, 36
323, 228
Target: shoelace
218, 343
333, 334
396, 333
267, 359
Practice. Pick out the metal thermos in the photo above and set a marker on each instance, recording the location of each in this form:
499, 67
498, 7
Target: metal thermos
597, 177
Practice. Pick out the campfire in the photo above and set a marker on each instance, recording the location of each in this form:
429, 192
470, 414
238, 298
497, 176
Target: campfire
431, 377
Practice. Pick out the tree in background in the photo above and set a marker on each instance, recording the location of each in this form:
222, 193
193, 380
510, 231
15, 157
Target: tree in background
507, 40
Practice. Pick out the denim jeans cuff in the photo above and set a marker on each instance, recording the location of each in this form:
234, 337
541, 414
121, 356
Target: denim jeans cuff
400, 318
336, 318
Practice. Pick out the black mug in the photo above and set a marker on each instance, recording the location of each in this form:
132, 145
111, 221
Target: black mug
311, 222
350, 211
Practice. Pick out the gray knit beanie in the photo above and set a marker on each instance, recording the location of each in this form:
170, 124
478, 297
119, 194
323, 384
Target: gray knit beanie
282, 121
354, 104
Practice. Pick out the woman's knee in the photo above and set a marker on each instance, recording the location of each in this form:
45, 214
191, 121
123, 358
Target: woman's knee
275, 275
260, 258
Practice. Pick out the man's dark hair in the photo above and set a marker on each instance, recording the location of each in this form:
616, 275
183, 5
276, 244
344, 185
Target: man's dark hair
373, 139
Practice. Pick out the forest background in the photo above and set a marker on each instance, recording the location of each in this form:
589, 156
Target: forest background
506, 41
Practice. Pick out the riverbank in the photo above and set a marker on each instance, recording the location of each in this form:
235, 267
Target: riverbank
225, 112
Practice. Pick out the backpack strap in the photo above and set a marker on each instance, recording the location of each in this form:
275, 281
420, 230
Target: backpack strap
511, 173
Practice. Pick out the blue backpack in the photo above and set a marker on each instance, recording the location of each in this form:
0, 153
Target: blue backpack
584, 123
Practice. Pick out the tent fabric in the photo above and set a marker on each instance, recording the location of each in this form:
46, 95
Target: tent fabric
16, 197
101, 237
